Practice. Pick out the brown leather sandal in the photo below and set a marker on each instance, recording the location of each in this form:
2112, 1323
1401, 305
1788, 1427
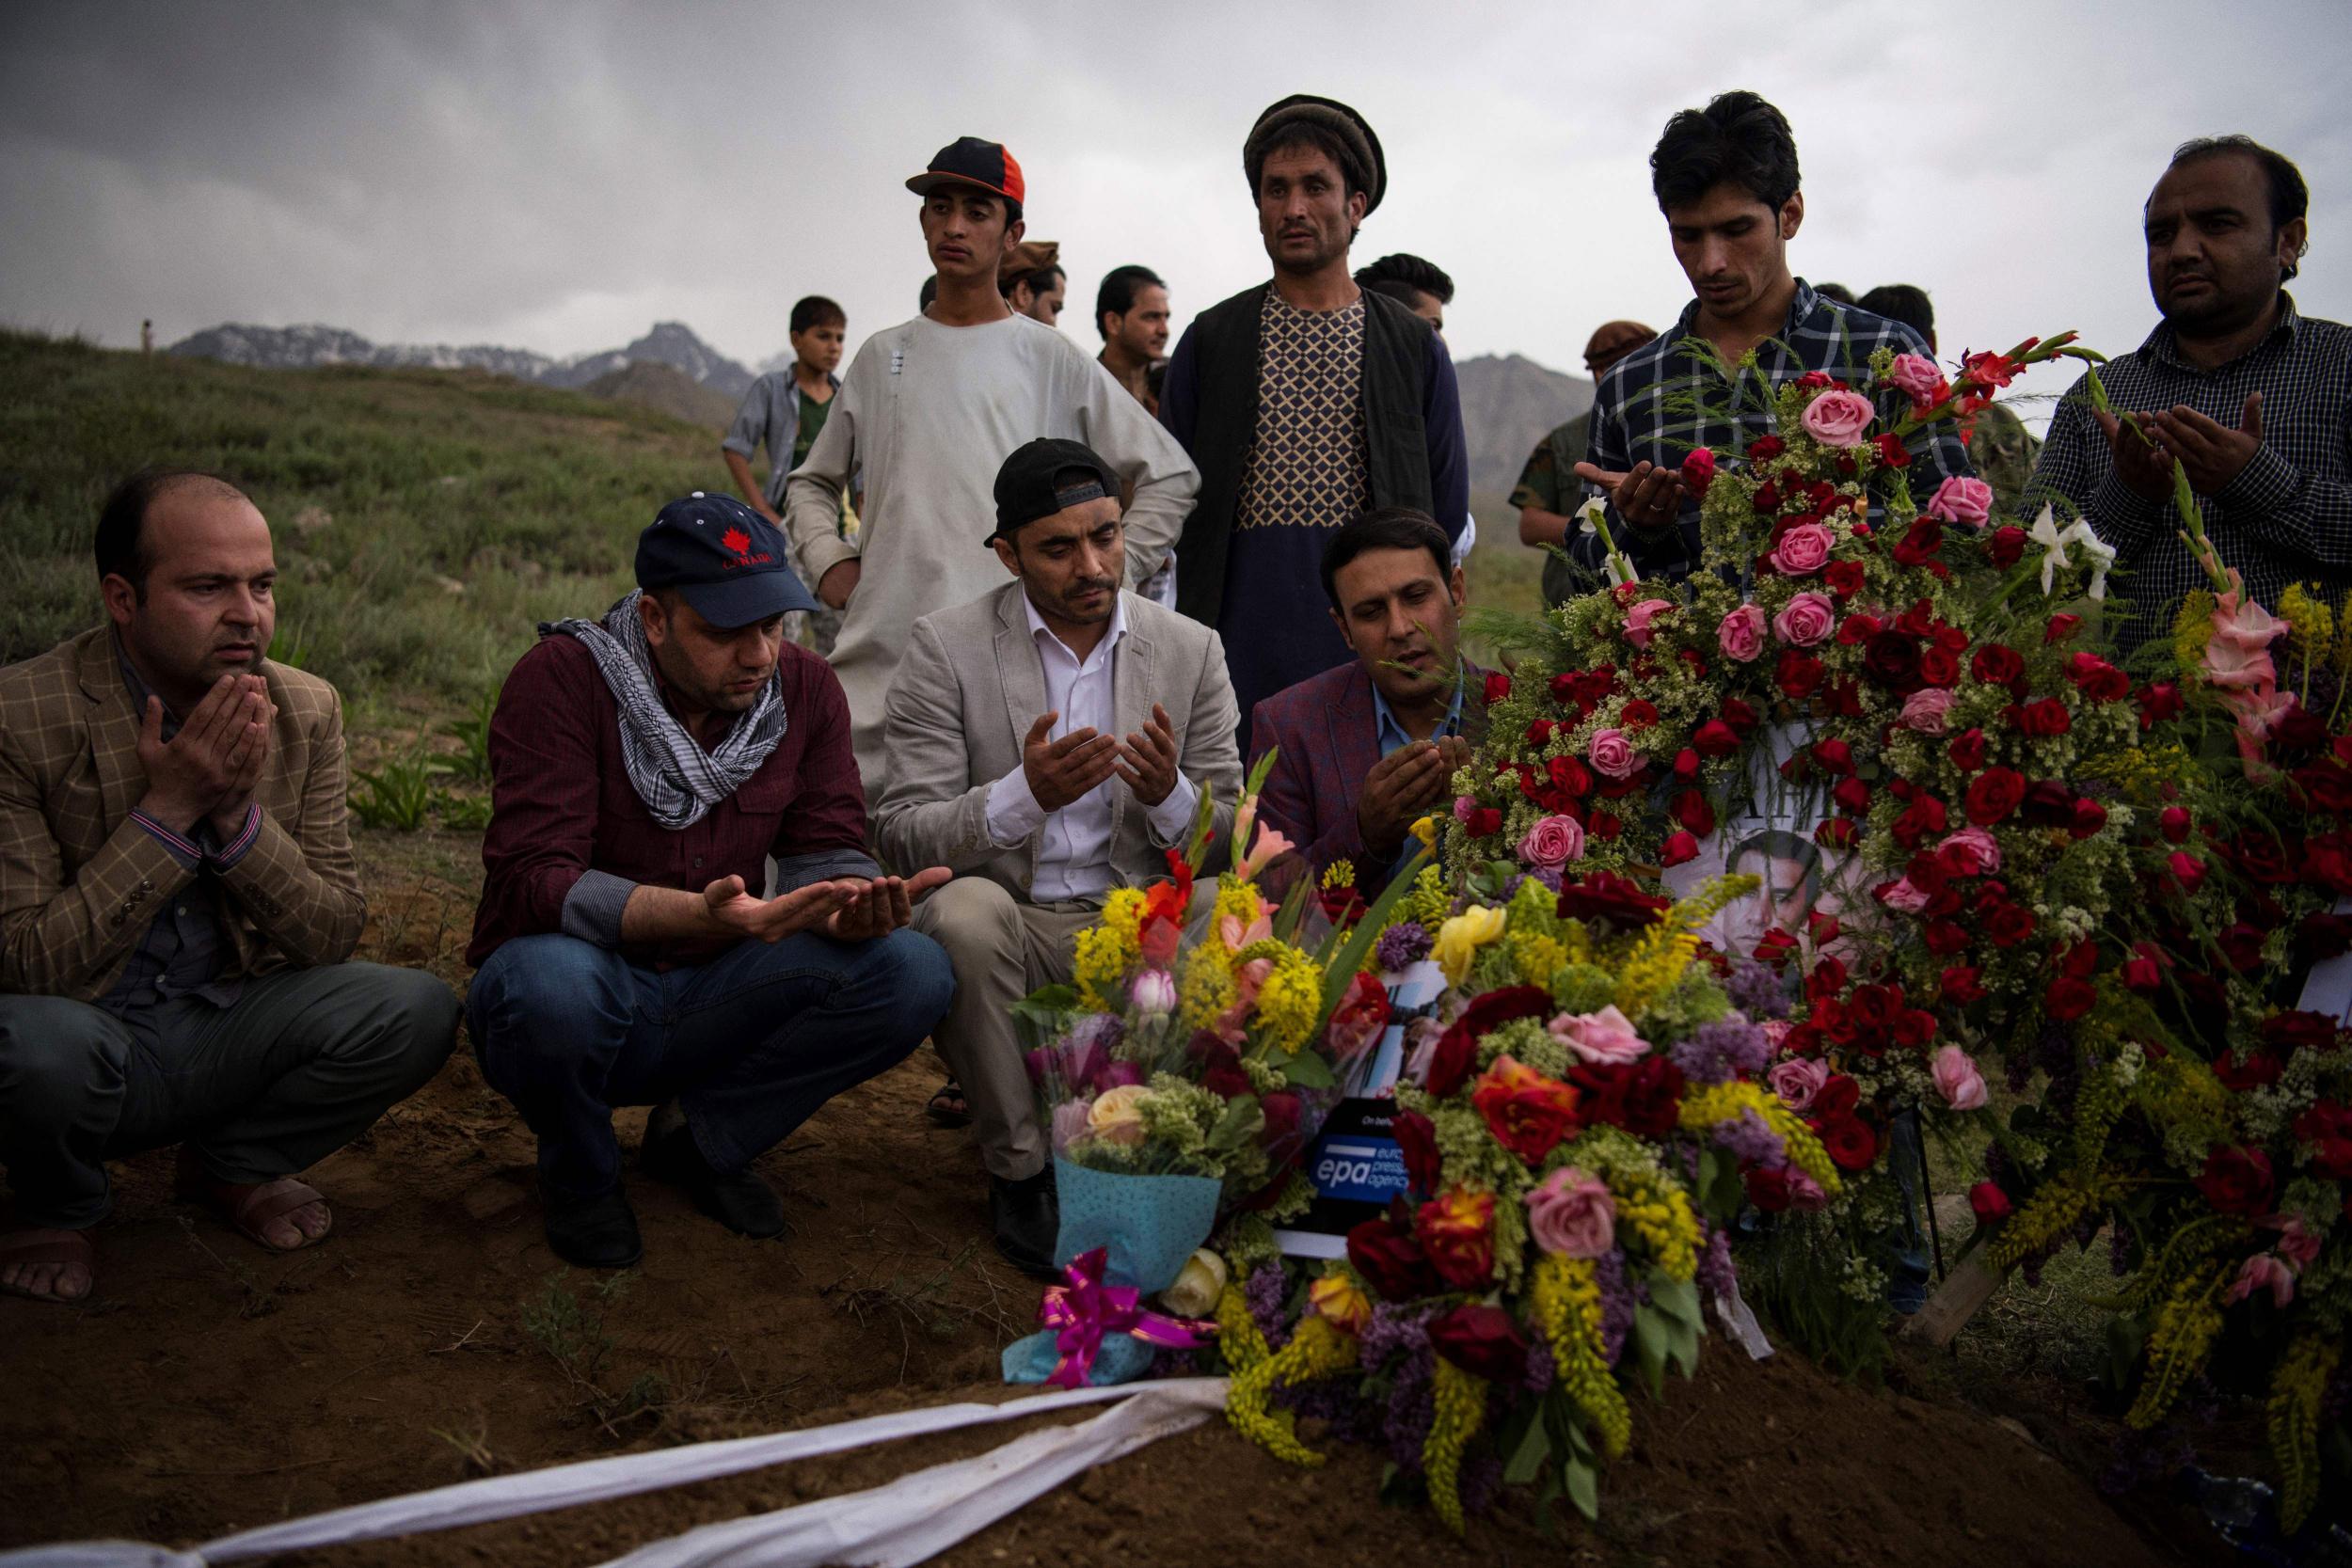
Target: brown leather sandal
256, 1206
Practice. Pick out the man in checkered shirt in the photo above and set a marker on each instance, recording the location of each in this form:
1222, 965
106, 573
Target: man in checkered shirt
2253, 398
1726, 176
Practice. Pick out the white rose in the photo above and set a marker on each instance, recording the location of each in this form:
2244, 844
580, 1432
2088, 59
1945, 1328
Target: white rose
1195, 1292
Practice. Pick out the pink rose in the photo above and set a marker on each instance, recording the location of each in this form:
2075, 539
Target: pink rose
1924, 710
2296, 1244
1553, 842
1612, 753
1797, 1080
1900, 895
1962, 501
1605, 1037
1838, 419
1957, 1080
1805, 620
1917, 379
1741, 634
1571, 1213
1802, 550
1983, 851
1637, 620
2264, 1272
1804, 1194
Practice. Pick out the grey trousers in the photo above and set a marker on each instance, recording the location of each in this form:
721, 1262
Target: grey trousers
301, 1064
1002, 948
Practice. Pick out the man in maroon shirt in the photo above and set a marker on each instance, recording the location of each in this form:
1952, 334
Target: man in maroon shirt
646, 766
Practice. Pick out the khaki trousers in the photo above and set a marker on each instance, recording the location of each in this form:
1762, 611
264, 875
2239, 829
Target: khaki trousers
1002, 948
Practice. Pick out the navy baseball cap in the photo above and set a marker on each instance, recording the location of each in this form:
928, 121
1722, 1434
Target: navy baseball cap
726, 560
1048, 476
970, 161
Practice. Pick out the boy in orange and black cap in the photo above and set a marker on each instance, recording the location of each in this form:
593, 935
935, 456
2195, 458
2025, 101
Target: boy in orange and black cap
929, 410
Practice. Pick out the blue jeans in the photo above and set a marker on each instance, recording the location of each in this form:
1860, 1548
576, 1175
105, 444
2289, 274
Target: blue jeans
749, 1044
1907, 1281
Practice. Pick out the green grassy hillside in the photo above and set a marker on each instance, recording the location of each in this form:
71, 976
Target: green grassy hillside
425, 520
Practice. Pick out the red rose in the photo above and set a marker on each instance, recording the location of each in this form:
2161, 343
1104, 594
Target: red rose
1921, 540
1455, 1231
1765, 448
2326, 1128
2186, 869
1715, 739
2300, 1030
1943, 938
1692, 810
2042, 718
1844, 577
1677, 848
1798, 674
1485, 822
1539, 732
2242, 945
2096, 679
2328, 785
1849, 1141
1853, 795
1836, 834
1457, 1048
1685, 763
2060, 628
1835, 756
1962, 986
1991, 1204
2327, 863
1528, 1113
2007, 925
1892, 660
2236, 1181
2049, 804
2004, 547
2158, 702
1605, 827
1415, 1137
1966, 751
1827, 980
1738, 715
2323, 936
1892, 452
1603, 896
1563, 688
1856, 629
1498, 687
1923, 816
2252, 1071
2173, 823
1698, 471
1221, 1070
2089, 816
1768, 1188
1384, 1252
1993, 794
1639, 714
1996, 664
1938, 667
1483, 1342
1652, 1097
2068, 998
1568, 774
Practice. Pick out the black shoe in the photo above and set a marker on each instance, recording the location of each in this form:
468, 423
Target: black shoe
1028, 1217
740, 1201
597, 1232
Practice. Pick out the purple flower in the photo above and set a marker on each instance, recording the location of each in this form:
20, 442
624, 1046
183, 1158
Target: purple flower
1264, 1292
1752, 1140
1725, 1049
1401, 947
1617, 1302
1716, 1276
1758, 990
1482, 1480
1540, 1367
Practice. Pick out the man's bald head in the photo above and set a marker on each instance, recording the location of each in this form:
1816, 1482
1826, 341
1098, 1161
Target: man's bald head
1612, 341
122, 547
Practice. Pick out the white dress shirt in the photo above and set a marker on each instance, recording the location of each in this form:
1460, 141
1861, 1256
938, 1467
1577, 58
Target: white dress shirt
1073, 861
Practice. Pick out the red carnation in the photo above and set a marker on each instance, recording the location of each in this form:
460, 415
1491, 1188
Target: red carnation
1892, 451
1844, 577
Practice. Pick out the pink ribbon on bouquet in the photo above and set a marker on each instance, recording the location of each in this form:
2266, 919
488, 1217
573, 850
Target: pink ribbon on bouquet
1082, 1312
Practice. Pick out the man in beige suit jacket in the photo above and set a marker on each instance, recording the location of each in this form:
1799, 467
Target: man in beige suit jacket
1047, 742
177, 896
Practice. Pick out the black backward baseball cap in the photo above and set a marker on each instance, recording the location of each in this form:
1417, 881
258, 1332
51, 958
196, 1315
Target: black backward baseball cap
726, 560
1037, 480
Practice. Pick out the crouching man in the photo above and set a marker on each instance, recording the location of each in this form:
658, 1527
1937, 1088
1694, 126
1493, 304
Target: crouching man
644, 766
1054, 737
177, 899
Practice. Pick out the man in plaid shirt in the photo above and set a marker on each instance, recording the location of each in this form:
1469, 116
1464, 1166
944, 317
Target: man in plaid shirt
2253, 398
1726, 176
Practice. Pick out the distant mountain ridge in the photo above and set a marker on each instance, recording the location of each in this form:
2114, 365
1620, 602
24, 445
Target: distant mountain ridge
671, 344
1509, 402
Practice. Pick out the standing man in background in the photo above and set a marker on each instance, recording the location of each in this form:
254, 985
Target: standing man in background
1032, 282
1547, 491
783, 411
1131, 313
1422, 287
2253, 397
1305, 401
928, 412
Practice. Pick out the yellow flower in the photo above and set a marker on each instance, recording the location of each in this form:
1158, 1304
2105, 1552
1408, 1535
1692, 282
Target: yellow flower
1537, 958
1099, 962
1461, 1399
1207, 989
1340, 873
1337, 1298
2185, 1331
1565, 1297
1460, 938
1317, 1350
1651, 969
1711, 1105
1291, 1000
1426, 829
2298, 1392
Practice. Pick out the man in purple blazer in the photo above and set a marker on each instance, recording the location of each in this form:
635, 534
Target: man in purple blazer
1367, 748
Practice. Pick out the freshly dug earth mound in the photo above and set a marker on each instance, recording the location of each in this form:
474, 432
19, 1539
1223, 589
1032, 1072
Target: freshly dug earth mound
211, 1387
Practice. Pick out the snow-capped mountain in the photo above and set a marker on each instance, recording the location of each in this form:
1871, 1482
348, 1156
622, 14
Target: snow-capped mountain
671, 344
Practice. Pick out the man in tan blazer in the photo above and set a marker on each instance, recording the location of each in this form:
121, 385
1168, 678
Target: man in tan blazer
177, 896
1046, 742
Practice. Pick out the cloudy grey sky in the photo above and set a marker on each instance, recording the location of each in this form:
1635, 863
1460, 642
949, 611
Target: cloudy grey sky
558, 177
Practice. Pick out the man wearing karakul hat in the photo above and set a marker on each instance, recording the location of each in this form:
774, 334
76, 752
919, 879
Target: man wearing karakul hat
1304, 401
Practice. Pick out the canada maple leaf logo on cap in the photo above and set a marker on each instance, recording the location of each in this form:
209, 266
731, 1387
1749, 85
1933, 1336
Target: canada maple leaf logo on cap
737, 541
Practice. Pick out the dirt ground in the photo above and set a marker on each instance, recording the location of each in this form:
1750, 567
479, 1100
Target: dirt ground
210, 1386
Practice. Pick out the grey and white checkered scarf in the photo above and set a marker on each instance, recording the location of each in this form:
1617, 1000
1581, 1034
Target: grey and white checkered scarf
677, 779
